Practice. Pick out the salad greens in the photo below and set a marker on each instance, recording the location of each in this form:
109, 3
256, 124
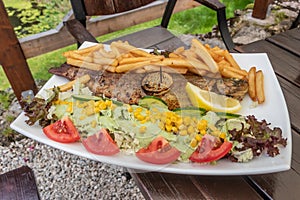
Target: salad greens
134, 126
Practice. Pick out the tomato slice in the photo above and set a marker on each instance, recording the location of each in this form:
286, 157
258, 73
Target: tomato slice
206, 153
159, 151
62, 131
101, 143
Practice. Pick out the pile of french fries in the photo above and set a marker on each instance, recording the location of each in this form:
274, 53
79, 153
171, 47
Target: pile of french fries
256, 85
198, 59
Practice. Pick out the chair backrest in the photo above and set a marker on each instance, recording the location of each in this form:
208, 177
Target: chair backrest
83, 8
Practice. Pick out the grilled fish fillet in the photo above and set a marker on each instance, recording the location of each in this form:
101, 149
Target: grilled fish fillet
127, 87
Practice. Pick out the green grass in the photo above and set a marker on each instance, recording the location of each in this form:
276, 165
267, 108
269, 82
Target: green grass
193, 21
16, 3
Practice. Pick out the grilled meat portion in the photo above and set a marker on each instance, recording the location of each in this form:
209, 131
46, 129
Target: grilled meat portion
128, 88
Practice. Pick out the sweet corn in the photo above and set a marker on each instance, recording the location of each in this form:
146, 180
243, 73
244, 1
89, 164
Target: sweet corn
183, 132
168, 127
190, 130
93, 124
193, 143
222, 135
186, 120
198, 137
140, 117
203, 132
202, 125
174, 129
168, 121
143, 129
129, 109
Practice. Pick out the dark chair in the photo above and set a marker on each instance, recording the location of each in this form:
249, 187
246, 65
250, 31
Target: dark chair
84, 8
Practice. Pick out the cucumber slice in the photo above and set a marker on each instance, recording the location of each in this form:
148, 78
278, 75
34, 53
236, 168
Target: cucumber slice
152, 102
190, 111
82, 97
227, 115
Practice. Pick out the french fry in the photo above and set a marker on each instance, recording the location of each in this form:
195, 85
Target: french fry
179, 50
123, 47
231, 60
132, 66
196, 63
98, 59
201, 72
110, 68
140, 71
83, 64
217, 57
140, 53
136, 59
260, 93
180, 70
174, 62
115, 51
252, 83
237, 71
67, 86
174, 55
107, 54
222, 64
89, 49
226, 72
76, 56
202, 52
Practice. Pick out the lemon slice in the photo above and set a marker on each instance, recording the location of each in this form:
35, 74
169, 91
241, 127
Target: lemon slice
211, 101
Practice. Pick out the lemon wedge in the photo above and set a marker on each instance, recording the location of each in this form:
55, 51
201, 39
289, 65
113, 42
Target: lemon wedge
211, 101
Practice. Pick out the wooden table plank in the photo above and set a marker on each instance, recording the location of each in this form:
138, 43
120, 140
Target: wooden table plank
18, 184
292, 97
156, 185
285, 64
283, 185
289, 40
151, 38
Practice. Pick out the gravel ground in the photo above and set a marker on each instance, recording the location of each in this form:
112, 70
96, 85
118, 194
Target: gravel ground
60, 175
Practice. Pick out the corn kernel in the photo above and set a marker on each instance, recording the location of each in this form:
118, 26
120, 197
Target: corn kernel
168, 121
168, 127
70, 109
186, 120
190, 130
202, 124
143, 121
161, 125
140, 117
198, 137
108, 103
183, 132
174, 129
129, 108
222, 135
203, 132
138, 109
94, 123
82, 117
193, 143
179, 122
142, 129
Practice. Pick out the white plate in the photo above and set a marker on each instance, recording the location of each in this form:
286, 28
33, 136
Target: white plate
274, 110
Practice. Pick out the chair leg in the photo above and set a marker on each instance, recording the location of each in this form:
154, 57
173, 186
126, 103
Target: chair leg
168, 12
296, 22
222, 23
79, 32
223, 27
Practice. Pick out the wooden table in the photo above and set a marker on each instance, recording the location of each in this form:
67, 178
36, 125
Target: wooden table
284, 53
